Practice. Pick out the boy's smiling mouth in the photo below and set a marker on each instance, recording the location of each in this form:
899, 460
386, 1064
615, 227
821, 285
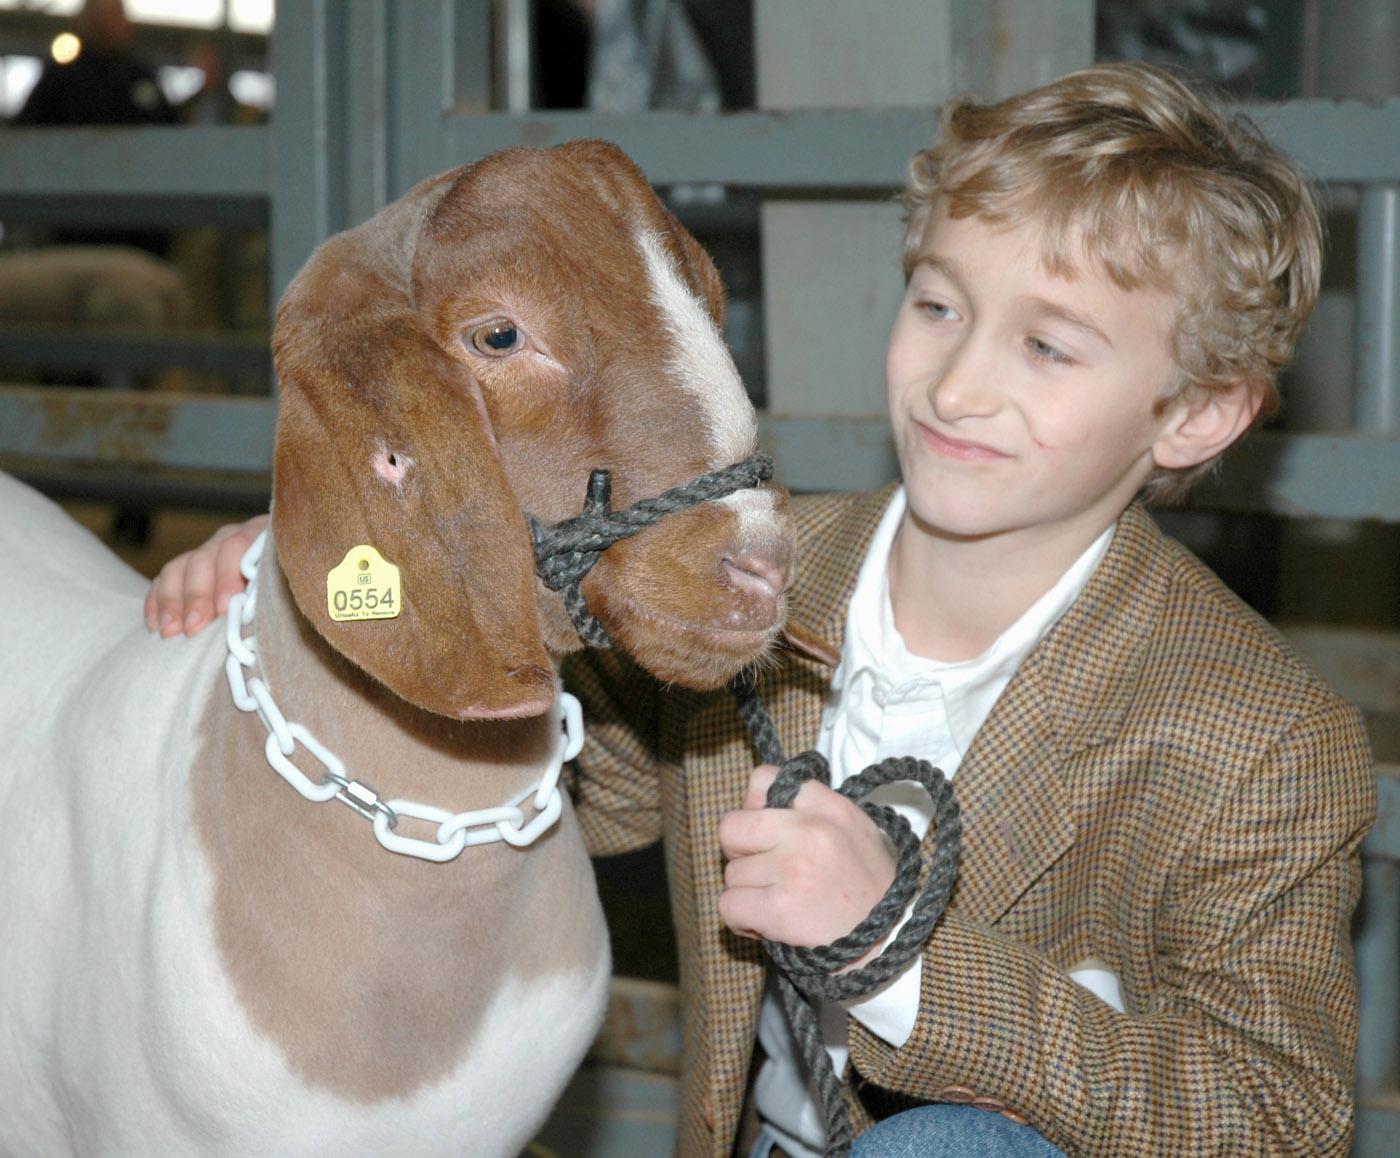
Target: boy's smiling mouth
958, 448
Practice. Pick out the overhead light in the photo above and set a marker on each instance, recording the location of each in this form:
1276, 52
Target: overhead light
65, 48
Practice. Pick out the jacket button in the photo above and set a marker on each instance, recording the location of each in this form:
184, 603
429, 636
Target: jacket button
707, 1110
960, 1094
1015, 1116
991, 1104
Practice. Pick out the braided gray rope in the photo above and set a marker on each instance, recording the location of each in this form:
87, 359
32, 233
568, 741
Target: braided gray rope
566, 551
806, 976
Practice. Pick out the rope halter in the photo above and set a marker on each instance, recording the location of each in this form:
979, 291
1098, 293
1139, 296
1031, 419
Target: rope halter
566, 551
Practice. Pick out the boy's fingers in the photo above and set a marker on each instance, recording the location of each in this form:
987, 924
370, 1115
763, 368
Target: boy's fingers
198, 591
815, 797
233, 541
197, 585
745, 832
760, 780
742, 910
749, 872
167, 593
228, 578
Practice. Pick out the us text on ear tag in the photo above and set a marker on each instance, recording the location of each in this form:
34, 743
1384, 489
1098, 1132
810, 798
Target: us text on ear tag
363, 585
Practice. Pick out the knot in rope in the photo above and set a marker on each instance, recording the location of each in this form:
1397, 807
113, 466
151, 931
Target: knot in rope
809, 975
566, 551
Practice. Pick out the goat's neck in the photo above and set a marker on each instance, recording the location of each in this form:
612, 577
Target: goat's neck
396, 748
372, 970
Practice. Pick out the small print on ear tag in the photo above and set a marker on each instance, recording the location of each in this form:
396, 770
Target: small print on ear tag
363, 585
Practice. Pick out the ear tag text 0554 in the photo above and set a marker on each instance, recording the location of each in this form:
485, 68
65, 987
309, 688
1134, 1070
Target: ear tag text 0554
363, 585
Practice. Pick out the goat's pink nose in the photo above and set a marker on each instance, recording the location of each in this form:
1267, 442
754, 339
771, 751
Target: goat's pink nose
759, 574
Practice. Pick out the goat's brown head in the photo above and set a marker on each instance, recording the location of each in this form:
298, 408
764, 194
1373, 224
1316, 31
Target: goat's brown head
467, 357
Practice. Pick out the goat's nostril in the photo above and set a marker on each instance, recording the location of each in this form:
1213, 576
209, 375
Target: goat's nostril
757, 574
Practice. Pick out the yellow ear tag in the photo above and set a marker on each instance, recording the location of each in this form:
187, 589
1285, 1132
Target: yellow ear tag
364, 585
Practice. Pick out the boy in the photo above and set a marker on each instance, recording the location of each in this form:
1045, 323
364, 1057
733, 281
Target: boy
1146, 951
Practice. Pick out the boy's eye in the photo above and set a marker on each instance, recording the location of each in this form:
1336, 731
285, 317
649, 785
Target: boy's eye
1044, 352
942, 311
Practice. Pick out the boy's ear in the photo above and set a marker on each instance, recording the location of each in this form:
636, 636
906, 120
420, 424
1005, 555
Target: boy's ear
1202, 425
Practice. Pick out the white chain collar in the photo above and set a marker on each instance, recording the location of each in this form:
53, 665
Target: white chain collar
455, 830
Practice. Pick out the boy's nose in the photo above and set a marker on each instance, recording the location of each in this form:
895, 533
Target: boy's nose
966, 387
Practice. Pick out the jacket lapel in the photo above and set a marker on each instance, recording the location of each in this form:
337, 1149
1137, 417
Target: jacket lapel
1017, 815
1068, 696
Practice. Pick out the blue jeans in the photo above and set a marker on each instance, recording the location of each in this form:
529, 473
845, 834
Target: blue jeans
945, 1130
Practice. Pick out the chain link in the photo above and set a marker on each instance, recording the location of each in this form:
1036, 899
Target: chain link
455, 831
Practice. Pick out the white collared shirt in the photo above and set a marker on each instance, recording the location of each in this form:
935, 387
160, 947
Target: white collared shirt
885, 701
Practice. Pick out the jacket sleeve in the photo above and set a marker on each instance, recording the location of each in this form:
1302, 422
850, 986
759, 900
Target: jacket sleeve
614, 782
1246, 1043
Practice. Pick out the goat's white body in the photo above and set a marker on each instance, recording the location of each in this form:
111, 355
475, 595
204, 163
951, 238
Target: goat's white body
120, 1032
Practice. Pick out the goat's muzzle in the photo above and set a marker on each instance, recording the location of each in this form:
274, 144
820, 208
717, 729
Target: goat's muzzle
567, 551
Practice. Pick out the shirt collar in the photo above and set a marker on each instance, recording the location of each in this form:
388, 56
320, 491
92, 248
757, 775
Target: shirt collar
874, 650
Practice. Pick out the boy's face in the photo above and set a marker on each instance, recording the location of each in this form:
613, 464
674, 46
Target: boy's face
1022, 402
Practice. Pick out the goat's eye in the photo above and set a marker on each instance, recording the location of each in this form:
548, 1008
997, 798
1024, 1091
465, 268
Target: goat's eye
496, 337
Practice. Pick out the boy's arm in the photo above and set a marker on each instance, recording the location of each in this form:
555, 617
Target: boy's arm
1247, 1042
615, 782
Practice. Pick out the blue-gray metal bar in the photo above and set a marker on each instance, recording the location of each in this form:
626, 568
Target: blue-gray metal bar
195, 489
1335, 140
515, 57
1377, 401
367, 109
124, 428
1377, 974
420, 90
1347, 476
212, 352
843, 149
472, 56
1383, 841
1340, 141
1378, 935
213, 161
302, 186
1377, 1127
1344, 141
186, 211
829, 453
1336, 475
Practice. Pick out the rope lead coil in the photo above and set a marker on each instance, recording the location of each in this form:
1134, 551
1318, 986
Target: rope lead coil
807, 976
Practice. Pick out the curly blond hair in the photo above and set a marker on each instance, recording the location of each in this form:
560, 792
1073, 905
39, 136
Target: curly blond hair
1160, 187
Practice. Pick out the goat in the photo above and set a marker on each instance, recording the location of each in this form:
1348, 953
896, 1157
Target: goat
196, 960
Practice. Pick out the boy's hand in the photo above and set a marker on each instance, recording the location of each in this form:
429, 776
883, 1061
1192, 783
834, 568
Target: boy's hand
196, 586
804, 875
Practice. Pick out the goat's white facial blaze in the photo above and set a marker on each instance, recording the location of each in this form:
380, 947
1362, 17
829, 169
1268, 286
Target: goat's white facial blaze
700, 363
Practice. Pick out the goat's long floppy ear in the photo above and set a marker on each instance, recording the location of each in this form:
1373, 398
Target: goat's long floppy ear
382, 440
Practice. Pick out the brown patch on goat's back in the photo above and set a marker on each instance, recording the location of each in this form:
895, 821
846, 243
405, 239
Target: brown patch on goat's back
371, 971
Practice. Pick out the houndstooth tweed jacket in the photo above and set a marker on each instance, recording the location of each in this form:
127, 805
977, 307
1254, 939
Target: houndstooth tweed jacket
1163, 788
